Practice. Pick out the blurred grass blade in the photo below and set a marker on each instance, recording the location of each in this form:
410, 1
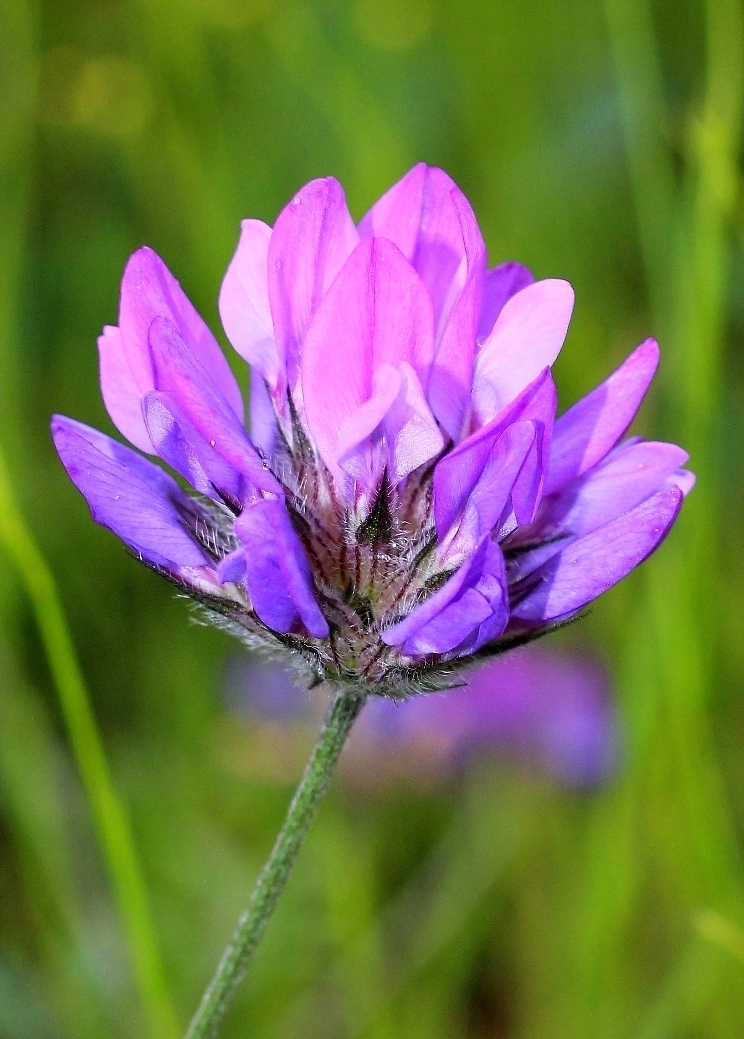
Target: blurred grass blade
721, 932
108, 810
645, 126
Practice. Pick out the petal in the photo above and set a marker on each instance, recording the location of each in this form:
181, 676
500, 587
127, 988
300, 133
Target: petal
451, 377
591, 564
232, 568
422, 215
411, 431
244, 302
357, 428
377, 312
683, 479
120, 392
488, 499
469, 609
264, 428
149, 290
130, 496
456, 476
594, 425
626, 477
526, 338
397, 215
278, 575
500, 285
179, 444
178, 373
311, 241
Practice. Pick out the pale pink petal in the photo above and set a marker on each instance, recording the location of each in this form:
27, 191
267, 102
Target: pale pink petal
526, 338
120, 392
244, 302
501, 283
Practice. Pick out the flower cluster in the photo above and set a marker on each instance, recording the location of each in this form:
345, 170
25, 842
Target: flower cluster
407, 501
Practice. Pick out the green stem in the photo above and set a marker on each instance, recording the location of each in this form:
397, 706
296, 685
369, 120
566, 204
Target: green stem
274, 875
108, 811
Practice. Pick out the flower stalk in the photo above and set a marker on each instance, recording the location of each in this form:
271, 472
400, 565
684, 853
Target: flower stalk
275, 873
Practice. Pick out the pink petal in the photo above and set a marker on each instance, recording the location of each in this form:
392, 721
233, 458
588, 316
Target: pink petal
397, 215
377, 312
457, 474
311, 241
451, 377
177, 372
120, 392
149, 290
500, 285
244, 302
526, 338
591, 427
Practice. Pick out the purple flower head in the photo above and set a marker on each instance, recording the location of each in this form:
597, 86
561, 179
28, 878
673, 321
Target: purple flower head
407, 502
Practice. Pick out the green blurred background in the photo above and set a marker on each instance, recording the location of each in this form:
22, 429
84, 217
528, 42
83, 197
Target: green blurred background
599, 141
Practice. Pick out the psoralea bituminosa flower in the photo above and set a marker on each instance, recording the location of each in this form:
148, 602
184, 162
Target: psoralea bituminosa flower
407, 502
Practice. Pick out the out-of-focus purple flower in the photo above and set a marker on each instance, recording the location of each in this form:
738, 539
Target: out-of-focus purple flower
547, 709
407, 502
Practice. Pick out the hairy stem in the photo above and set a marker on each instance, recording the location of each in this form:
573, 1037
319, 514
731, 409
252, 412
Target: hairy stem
274, 875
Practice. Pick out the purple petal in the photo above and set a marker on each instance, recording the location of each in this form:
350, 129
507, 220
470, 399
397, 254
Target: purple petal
500, 285
149, 290
526, 338
594, 425
179, 444
626, 477
244, 302
130, 496
469, 609
264, 428
178, 373
278, 575
376, 313
488, 499
232, 567
456, 476
120, 393
311, 241
591, 564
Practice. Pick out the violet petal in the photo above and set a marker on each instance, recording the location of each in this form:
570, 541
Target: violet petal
178, 373
591, 564
278, 575
311, 241
588, 430
130, 496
